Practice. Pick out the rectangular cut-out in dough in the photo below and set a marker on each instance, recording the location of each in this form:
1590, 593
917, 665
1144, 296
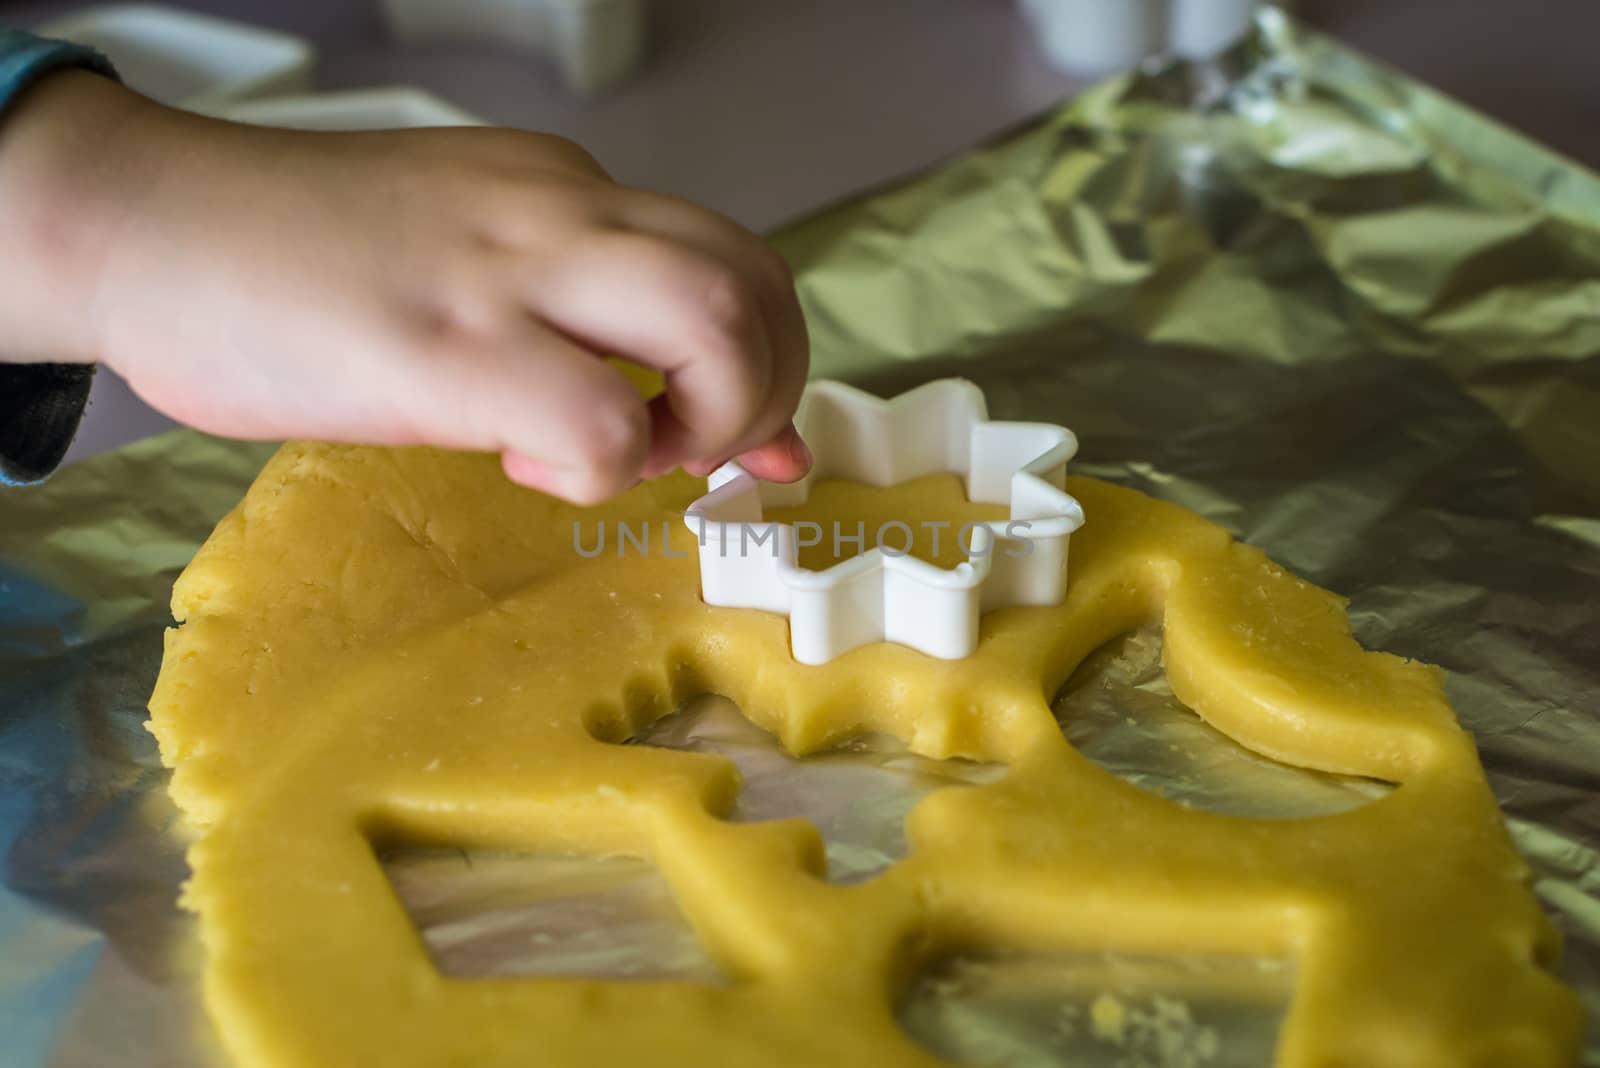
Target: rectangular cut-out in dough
497, 915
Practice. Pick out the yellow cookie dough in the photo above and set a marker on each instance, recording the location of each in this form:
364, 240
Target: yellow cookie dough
382, 646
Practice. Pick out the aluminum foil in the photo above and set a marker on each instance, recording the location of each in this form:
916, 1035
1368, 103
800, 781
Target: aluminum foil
1289, 289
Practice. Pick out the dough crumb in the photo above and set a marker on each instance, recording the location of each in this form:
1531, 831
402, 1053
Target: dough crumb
1109, 1019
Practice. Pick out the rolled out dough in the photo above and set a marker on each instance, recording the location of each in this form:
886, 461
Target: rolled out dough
385, 646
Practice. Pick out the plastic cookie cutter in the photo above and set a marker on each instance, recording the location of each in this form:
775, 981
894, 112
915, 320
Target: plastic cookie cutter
879, 595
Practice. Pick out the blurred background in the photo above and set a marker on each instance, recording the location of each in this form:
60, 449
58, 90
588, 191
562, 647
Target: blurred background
767, 109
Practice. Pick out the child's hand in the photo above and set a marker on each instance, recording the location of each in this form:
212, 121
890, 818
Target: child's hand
444, 287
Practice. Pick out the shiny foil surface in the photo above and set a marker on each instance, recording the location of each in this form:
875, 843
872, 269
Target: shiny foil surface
1340, 315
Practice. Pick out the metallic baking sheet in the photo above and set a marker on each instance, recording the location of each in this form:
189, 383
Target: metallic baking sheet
487, 914
1352, 322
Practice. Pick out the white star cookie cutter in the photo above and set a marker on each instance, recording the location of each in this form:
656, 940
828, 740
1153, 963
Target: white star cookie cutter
884, 595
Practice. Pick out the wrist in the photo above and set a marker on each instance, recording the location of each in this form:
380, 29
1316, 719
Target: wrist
76, 160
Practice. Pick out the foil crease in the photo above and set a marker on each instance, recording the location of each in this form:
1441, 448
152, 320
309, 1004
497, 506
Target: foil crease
1290, 289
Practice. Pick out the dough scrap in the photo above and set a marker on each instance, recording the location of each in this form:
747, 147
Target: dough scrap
384, 645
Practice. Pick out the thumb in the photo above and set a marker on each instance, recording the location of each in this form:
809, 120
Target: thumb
785, 458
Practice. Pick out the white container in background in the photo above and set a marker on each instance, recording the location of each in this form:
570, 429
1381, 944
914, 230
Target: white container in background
1099, 36
389, 108
1202, 28
190, 60
592, 42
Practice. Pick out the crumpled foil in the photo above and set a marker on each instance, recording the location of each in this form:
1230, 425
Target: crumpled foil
1340, 315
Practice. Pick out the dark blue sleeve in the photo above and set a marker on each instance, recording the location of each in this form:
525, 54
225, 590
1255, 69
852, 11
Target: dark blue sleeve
40, 404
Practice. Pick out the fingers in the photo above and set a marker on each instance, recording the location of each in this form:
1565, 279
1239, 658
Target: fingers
784, 458
772, 285
691, 316
563, 421
670, 286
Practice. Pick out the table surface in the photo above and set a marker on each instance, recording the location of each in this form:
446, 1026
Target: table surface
766, 109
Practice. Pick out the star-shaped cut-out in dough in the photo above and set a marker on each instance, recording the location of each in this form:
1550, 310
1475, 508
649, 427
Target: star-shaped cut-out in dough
880, 594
